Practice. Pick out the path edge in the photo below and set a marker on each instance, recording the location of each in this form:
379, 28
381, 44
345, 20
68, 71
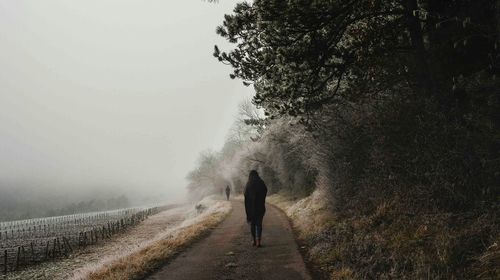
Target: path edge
168, 249
316, 272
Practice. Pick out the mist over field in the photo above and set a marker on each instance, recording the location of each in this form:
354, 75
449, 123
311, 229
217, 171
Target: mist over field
135, 134
102, 99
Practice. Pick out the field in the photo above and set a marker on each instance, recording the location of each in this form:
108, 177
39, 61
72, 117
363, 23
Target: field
27, 242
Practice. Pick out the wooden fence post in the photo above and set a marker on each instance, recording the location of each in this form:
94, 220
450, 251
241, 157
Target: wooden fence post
24, 255
59, 246
5, 261
54, 250
33, 258
17, 257
47, 250
67, 244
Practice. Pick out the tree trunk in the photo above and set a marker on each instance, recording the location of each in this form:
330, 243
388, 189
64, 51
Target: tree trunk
498, 19
422, 69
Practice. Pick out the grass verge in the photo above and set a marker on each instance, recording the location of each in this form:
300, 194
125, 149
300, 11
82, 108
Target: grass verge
140, 263
309, 217
384, 242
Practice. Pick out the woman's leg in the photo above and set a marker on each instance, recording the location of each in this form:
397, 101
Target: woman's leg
253, 230
258, 229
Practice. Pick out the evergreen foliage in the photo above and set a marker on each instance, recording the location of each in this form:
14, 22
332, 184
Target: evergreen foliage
301, 55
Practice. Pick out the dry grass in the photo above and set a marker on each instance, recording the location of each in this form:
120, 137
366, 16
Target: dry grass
311, 217
342, 273
386, 243
146, 260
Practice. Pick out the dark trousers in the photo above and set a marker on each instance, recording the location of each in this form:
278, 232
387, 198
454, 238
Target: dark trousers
256, 227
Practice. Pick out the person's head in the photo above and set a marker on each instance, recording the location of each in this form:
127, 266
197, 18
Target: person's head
253, 175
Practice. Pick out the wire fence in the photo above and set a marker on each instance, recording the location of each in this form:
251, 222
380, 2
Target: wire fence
31, 241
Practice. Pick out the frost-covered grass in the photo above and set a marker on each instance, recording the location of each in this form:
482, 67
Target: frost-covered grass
149, 255
310, 216
63, 268
383, 241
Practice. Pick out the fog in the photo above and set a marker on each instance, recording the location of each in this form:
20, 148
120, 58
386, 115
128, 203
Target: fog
117, 96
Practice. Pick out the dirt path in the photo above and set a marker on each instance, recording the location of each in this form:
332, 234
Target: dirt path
227, 252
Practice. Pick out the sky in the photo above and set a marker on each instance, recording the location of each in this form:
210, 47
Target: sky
98, 94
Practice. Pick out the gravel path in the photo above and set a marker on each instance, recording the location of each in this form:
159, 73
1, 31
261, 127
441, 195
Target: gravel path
227, 252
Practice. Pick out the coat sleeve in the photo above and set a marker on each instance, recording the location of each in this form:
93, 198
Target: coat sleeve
248, 204
264, 195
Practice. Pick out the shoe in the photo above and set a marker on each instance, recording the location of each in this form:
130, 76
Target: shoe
254, 243
258, 243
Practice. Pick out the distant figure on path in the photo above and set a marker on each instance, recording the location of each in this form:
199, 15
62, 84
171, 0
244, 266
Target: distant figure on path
228, 192
255, 205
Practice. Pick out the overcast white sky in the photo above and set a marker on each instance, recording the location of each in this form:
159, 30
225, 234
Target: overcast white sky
107, 93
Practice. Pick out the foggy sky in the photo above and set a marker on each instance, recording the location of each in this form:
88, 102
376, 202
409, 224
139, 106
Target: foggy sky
99, 94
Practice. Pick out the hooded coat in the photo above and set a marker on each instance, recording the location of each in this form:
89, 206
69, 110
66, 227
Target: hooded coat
255, 197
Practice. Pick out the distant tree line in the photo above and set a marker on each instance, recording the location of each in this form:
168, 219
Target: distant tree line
17, 206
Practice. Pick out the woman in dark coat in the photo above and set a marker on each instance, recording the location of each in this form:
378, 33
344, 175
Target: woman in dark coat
255, 205
228, 192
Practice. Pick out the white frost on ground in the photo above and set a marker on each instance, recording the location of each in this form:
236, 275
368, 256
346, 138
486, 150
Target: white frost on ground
192, 215
309, 213
205, 207
162, 225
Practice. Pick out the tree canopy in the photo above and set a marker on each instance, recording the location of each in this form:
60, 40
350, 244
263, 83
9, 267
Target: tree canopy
301, 55
401, 105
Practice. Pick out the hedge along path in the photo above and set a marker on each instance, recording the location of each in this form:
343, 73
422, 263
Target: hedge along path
139, 264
